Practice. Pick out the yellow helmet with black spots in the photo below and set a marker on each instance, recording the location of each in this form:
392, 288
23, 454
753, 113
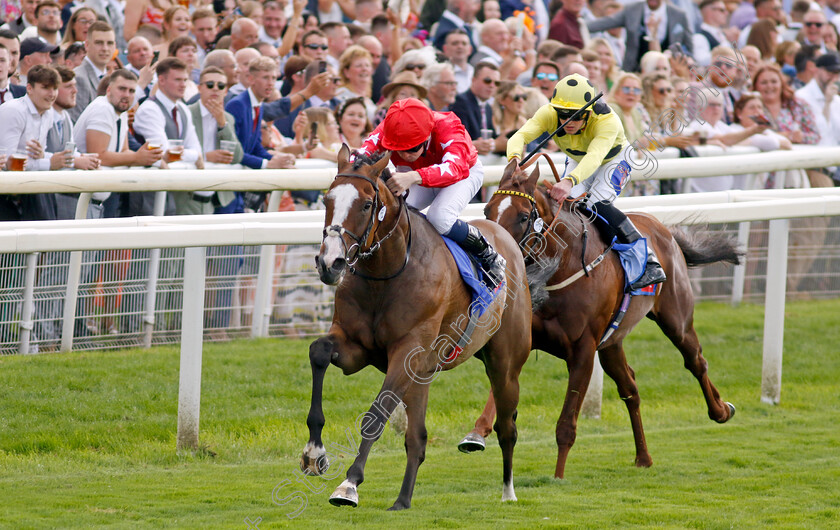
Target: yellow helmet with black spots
572, 93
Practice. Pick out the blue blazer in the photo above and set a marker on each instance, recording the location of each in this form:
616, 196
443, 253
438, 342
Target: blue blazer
17, 91
466, 107
251, 140
444, 28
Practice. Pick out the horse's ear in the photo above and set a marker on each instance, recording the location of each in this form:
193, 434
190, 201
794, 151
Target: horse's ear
380, 166
531, 183
343, 156
509, 172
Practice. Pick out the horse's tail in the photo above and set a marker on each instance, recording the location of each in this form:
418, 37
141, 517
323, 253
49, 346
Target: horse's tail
538, 276
704, 247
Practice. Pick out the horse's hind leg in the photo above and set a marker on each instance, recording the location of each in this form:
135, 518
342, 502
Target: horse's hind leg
474, 440
416, 400
615, 365
675, 317
580, 372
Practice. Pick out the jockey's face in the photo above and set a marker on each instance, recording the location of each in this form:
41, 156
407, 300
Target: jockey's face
411, 155
573, 127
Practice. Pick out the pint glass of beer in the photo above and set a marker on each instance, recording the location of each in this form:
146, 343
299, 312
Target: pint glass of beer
176, 149
18, 160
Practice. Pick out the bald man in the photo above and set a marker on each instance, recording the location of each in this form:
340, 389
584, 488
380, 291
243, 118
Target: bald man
243, 33
381, 68
243, 59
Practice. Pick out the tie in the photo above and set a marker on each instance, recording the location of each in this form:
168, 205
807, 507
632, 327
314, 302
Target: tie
484, 116
119, 145
175, 119
256, 118
3, 96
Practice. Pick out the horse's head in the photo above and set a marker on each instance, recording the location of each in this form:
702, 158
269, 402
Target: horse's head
356, 203
514, 205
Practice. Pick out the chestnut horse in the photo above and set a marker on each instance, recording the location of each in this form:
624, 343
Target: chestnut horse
399, 302
570, 320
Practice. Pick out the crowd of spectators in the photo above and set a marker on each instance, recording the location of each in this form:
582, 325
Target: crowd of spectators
86, 84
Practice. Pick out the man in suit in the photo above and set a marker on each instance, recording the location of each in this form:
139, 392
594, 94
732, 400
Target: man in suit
247, 111
650, 25
473, 107
212, 126
8, 91
100, 46
459, 14
26, 19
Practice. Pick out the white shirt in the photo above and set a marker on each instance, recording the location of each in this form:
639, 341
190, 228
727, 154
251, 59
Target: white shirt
22, 122
829, 128
702, 49
151, 124
492, 56
722, 183
236, 89
463, 76
265, 37
209, 127
101, 116
662, 15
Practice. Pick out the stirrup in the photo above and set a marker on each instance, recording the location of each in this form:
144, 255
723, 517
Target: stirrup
653, 273
493, 265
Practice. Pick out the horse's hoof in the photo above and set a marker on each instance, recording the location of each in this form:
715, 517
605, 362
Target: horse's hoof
471, 443
731, 410
314, 460
345, 495
399, 506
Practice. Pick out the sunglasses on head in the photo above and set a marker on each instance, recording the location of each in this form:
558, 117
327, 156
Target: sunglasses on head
415, 67
814, 24
488, 81
631, 90
218, 84
519, 97
316, 46
550, 77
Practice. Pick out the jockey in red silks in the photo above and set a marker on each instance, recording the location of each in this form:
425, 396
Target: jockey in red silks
437, 162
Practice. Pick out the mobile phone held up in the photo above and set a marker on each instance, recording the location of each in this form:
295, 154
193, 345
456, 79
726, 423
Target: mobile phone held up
322, 67
155, 57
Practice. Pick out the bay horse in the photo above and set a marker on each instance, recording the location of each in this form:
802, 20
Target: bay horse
570, 320
399, 302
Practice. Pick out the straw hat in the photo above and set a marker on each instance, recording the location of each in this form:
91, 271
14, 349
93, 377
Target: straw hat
404, 78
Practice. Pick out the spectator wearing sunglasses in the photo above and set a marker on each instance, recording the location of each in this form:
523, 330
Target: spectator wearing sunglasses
508, 112
597, 167
313, 45
474, 109
546, 75
812, 27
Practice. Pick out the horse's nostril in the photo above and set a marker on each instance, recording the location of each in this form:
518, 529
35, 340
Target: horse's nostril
339, 264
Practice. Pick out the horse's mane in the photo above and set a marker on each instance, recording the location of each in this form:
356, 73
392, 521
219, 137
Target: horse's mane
364, 159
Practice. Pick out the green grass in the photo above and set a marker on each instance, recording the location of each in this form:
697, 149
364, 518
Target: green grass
88, 440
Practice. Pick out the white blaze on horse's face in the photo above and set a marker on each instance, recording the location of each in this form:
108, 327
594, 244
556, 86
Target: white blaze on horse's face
503, 205
343, 197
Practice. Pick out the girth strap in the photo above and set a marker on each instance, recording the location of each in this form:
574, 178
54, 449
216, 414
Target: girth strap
579, 274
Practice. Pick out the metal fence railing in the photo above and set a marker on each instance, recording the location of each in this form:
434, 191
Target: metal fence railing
113, 289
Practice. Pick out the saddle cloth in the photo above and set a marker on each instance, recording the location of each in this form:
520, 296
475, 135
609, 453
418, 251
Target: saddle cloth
482, 296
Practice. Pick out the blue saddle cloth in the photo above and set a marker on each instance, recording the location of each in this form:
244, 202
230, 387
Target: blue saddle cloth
633, 258
482, 296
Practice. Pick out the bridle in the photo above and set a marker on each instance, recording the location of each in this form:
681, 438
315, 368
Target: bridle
533, 215
370, 231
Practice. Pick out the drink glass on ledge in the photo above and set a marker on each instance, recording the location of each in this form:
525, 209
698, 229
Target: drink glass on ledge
18, 161
176, 150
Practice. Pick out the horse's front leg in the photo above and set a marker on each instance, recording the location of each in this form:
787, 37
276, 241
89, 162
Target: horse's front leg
416, 400
372, 423
332, 348
474, 440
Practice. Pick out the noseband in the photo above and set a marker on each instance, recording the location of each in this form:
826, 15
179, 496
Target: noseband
359, 241
532, 216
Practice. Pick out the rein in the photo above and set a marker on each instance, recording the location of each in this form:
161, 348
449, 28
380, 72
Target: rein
338, 230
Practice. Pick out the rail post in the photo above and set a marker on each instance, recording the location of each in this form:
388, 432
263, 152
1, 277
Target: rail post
192, 331
774, 311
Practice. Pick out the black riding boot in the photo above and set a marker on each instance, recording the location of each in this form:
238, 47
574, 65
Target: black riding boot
626, 232
488, 259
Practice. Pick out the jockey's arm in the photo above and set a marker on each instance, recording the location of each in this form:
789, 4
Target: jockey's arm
545, 120
596, 151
